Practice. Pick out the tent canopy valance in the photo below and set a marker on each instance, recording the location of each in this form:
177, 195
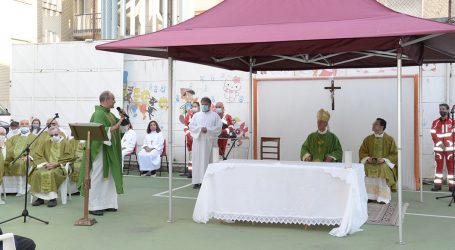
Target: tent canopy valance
297, 35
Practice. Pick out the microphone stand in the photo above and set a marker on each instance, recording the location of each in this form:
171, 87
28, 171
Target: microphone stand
25, 213
453, 162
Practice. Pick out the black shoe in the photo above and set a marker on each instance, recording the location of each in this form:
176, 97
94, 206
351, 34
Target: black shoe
436, 188
52, 203
153, 172
96, 212
38, 202
111, 210
196, 186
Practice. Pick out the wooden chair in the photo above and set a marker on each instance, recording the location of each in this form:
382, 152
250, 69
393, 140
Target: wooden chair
162, 159
129, 160
270, 148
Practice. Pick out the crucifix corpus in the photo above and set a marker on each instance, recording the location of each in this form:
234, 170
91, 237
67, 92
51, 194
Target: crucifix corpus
332, 92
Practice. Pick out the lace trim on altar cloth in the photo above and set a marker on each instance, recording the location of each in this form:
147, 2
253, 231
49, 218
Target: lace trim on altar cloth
270, 219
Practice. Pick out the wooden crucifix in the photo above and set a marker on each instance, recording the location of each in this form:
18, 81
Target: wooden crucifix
332, 92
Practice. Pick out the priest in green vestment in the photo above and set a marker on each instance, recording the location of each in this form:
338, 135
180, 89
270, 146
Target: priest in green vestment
2, 158
379, 154
15, 145
106, 160
322, 145
51, 157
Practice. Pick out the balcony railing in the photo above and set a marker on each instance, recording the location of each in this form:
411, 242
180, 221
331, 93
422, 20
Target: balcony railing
83, 26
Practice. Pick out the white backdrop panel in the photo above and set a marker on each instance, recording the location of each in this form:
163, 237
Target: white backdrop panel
24, 58
44, 85
22, 86
65, 83
288, 108
45, 56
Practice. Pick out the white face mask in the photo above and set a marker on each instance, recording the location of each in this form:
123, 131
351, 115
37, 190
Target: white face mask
123, 129
56, 138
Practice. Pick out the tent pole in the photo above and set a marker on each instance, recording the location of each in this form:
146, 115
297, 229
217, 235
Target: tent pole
250, 155
400, 216
420, 133
170, 92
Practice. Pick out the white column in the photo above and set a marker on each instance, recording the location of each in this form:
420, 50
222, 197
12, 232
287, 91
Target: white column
132, 17
122, 31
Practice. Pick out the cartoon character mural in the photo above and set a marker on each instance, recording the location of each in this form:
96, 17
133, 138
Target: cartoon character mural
151, 108
232, 89
163, 103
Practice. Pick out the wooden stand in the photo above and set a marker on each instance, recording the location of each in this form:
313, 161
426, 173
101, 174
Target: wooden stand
88, 132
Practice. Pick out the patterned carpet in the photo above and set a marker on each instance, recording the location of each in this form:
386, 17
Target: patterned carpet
384, 214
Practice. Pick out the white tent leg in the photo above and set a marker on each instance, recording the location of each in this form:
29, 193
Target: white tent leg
400, 216
169, 133
420, 134
251, 153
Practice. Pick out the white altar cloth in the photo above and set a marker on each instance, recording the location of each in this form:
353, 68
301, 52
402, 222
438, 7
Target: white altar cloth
284, 192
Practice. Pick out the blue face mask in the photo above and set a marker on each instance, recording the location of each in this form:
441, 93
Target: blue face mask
219, 110
205, 108
24, 130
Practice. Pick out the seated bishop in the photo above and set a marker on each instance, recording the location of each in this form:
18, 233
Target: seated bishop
51, 158
379, 154
322, 145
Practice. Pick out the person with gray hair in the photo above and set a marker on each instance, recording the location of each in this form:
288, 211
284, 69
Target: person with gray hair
106, 158
51, 157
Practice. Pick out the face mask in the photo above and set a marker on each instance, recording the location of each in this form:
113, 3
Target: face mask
35, 126
2, 138
56, 138
24, 130
123, 129
195, 110
205, 108
219, 110
443, 113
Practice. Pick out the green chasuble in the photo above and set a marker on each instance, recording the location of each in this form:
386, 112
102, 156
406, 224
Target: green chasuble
380, 147
322, 145
112, 155
43, 180
78, 151
14, 147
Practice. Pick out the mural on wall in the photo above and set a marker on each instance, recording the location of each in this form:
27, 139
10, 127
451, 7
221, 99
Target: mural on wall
232, 89
144, 102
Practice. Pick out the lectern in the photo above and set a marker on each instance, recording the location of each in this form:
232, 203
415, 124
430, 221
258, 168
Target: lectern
88, 132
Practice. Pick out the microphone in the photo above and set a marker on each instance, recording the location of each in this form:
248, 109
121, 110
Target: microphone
453, 109
56, 115
123, 113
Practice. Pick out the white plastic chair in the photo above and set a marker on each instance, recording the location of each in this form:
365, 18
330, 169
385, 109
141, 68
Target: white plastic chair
8, 241
63, 188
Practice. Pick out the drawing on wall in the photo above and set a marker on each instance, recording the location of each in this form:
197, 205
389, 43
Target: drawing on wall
232, 89
186, 95
143, 103
324, 72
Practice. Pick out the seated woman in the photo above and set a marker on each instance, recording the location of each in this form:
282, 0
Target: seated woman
128, 141
36, 126
149, 157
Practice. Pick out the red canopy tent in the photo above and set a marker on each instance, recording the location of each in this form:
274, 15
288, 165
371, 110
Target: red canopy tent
297, 35
265, 35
